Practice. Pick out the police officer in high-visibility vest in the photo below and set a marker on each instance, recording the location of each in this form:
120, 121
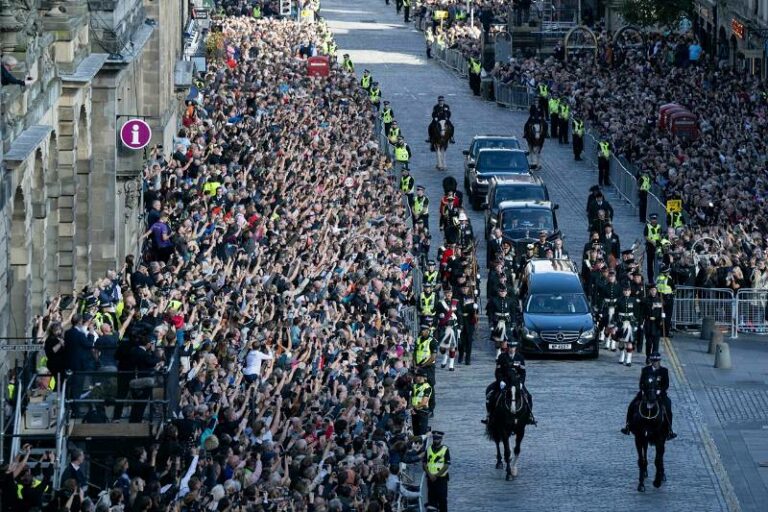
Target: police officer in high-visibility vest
427, 303
565, 118
407, 184
406, 11
429, 39
578, 138
346, 64
374, 93
431, 274
394, 133
475, 69
554, 116
665, 287
366, 80
257, 11
603, 163
543, 91
387, 116
402, 153
421, 394
652, 234
420, 206
425, 354
643, 187
437, 461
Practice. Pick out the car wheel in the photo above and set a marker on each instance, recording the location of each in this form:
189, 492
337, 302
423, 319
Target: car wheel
595, 351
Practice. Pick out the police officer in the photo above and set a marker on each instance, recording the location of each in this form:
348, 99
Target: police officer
603, 163
425, 355
578, 139
665, 287
653, 374
652, 234
441, 111
564, 120
643, 187
437, 461
407, 184
467, 312
387, 116
393, 136
402, 152
346, 64
653, 325
554, 116
543, 91
421, 394
427, 302
475, 69
420, 206
431, 274
366, 80
406, 10
374, 93
675, 220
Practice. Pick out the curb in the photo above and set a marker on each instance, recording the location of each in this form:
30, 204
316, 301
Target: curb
712, 455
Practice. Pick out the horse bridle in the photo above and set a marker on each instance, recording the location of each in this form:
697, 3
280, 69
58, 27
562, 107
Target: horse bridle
657, 407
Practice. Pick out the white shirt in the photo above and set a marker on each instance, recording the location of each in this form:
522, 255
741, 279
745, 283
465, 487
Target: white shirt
253, 362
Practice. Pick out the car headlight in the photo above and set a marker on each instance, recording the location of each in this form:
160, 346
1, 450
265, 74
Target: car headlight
528, 334
588, 335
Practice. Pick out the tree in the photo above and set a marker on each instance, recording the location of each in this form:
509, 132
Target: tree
660, 13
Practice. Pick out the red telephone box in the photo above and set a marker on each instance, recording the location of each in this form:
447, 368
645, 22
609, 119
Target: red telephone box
318, 66
683, 124
665, 111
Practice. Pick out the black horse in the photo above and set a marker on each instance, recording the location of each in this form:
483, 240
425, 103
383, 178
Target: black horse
510, 414
650, 426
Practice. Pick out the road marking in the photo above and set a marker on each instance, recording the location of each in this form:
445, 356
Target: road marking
710, 448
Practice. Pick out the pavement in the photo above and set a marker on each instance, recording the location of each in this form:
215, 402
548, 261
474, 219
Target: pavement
575, 459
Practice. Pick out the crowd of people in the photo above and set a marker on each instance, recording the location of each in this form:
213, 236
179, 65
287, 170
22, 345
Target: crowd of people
278, 270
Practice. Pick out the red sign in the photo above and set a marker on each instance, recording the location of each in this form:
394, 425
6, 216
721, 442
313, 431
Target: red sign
738, 28
318, 66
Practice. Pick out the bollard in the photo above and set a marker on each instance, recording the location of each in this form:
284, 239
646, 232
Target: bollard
723, 356
715, 340
707, 326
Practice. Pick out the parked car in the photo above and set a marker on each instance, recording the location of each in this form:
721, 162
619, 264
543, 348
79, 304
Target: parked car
556, 317
518, 187
492, 163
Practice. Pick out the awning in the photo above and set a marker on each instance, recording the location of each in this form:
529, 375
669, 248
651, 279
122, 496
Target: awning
26, 143
87, 68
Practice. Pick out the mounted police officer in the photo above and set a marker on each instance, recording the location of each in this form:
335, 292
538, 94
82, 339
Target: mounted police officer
508, 362
658, 375
441, 110
437, 461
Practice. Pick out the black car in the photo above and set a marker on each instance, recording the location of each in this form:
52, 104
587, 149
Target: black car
522, 221
491, 163
488, 142
522, 187
556, 317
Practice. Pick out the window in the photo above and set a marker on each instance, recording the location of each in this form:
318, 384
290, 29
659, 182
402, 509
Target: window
519, 193
527, 219
557, 304
502, 161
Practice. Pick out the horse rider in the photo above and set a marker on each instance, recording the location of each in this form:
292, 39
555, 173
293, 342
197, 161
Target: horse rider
660, 375
500, 309
508, 362
653, 324
441, 110
447, 320
467, 314
627, 310
421, 394
437, 461
534, 133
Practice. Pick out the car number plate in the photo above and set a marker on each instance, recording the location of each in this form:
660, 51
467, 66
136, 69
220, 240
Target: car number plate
559, 346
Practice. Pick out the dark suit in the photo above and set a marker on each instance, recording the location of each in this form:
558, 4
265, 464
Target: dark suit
77, 474
144, 362
78, 347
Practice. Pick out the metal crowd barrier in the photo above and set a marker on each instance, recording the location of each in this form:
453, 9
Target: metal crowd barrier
692, 304
752, 311
512, 96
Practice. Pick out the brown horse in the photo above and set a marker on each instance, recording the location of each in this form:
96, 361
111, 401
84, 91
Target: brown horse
440, 135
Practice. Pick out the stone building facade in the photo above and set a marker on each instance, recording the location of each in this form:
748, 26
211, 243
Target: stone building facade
69, 194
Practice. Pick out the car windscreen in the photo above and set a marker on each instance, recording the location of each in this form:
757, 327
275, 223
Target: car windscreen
526, 219
493, 162
557, 304
519, 193
494, 144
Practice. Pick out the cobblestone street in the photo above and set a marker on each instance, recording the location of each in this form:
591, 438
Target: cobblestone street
576, 459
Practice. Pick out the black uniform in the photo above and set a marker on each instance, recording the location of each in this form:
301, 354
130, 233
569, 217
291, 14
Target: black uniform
437, 489
653, 324
467, 313
441, 112
638, 294
608, 295
501, 309
627, 309
661, 376
597, 205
